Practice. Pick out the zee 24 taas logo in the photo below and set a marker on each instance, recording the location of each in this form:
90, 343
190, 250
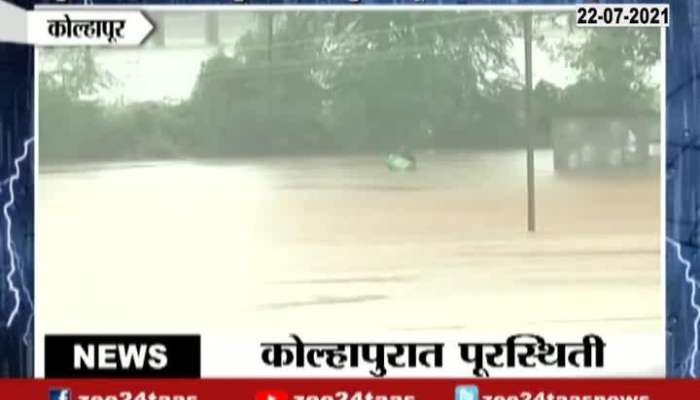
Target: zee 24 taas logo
59, 394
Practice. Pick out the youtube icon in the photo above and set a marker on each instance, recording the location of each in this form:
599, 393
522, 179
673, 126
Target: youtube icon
272, 395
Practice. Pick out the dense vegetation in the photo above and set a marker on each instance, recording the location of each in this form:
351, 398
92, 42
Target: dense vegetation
350, 82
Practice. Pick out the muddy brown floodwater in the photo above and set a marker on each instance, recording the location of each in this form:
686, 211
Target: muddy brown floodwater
343, 245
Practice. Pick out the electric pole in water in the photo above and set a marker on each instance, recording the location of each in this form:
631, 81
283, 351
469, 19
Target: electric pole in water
527, 36
269, 36
268, 29
211, 28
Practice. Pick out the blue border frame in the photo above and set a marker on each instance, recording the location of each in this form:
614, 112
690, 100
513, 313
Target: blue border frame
682, 182
16, 210
383, 2
682, 189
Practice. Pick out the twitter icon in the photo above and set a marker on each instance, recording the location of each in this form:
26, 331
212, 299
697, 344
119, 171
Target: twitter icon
467, 392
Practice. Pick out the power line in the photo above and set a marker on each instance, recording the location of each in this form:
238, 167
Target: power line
390, 54
316, 39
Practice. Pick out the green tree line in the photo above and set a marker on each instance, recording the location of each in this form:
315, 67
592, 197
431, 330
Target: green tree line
349, 82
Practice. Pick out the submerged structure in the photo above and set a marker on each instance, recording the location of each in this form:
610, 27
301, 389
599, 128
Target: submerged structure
605, 140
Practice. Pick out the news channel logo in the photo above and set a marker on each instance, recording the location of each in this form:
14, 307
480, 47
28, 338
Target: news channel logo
466, 392
59, 394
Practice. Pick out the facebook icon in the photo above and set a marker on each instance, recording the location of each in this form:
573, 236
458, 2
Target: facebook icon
467, 392
59, 394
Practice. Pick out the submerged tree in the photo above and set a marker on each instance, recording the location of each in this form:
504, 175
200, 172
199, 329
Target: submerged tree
613, 66
358, 81
305, 82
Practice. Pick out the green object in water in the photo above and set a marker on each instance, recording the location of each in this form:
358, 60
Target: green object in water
396, 162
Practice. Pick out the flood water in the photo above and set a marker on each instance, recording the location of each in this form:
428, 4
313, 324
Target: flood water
341, 244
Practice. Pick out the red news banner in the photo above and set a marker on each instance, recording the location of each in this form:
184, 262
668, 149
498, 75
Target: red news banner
350, 389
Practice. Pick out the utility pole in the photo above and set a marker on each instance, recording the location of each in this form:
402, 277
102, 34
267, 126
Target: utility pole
158, 38
527, 36
211, 28
270, 25
268, 77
